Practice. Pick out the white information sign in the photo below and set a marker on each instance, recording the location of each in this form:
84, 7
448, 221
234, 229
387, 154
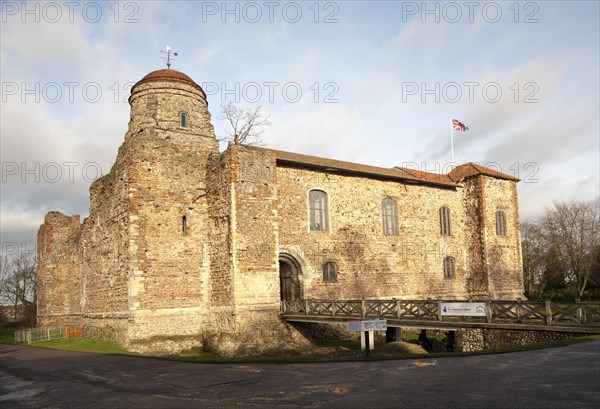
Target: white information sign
464, 309
379, 324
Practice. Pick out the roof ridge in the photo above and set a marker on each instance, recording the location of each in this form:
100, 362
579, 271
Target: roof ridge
336, 164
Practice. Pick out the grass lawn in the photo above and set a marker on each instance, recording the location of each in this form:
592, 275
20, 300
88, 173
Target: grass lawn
348, 350
85, 345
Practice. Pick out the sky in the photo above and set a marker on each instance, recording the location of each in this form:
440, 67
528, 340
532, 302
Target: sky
372, 82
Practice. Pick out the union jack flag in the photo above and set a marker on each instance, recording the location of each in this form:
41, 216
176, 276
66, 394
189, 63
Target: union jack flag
459, 126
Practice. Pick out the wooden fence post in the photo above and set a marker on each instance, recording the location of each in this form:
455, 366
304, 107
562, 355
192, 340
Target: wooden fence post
488, 311
439, 305
548, 312
363, 308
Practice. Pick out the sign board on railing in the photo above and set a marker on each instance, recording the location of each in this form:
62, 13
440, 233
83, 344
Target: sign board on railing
464, 309
379, 324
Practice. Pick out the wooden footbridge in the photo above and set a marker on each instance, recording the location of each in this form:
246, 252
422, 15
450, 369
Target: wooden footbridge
577, 317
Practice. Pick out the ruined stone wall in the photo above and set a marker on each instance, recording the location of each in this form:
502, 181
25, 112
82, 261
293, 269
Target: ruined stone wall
372, 265
59, 284
104, 244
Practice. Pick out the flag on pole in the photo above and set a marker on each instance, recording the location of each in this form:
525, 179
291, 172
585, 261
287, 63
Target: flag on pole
459, 126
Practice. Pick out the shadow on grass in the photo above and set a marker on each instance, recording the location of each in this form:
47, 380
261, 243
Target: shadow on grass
322, 351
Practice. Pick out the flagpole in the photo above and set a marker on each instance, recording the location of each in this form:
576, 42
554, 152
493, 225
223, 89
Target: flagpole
452, 138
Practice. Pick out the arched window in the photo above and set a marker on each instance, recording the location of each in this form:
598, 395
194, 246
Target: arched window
330, 272
319, 210
445, 228
449, 265
500, 223
390, 217
184, 225
183, 122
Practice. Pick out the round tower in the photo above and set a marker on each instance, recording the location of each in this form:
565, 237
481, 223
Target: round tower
169, 100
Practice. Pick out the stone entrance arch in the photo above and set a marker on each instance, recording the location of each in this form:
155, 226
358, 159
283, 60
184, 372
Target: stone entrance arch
290, 286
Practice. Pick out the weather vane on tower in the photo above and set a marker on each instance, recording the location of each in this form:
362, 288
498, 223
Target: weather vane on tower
169, 53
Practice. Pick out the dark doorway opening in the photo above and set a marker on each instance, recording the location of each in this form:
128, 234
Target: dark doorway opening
290, 288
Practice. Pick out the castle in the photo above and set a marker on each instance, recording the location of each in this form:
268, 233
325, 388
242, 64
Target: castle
184, 245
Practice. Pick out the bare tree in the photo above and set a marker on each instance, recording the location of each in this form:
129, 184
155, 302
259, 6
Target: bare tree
18, 281
246, 125
572, 230
534, 259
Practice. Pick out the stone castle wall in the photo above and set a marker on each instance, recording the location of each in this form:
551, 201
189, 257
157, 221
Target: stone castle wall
183, 244
406, 266
256, 268
503, 252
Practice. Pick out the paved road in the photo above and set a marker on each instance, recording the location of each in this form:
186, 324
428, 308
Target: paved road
566, 377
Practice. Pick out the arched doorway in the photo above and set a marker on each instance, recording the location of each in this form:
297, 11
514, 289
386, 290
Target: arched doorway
290, 287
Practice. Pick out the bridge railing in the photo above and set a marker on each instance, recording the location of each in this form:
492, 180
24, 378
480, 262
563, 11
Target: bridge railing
514, 312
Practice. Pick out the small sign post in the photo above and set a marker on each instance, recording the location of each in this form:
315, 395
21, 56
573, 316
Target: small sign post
366, 326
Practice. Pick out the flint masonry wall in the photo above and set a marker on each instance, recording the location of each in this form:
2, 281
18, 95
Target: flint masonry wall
503, 252
410, 264
256, 262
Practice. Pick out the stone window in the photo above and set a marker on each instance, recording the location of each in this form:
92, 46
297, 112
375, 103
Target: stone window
319, 210
183, 120
449, 264
390, 217
330, 272
500, 223
184, 225
445, 229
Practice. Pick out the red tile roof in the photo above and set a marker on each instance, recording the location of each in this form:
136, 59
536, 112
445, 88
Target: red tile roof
343, 167
472, 169
428, 176
168, 75
451, 180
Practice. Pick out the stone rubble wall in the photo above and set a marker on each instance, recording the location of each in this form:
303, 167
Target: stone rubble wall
476, 339
59, 284
256, 262
158, 104
219, 200
503, 252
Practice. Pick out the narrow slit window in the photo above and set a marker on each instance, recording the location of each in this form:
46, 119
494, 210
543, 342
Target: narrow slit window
449, 266
183, 120
445, 227
500, 223
319, 210
390, 217
184, 225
